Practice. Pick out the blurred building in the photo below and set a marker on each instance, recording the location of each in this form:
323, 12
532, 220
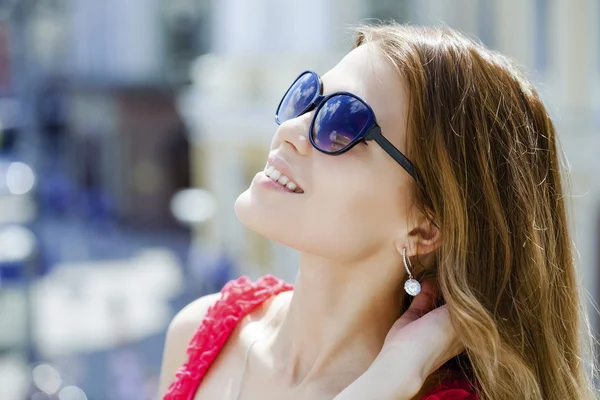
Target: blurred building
126, 62
258, 48
108, 73
88, 94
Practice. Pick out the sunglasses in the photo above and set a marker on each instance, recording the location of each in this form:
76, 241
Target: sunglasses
341, 119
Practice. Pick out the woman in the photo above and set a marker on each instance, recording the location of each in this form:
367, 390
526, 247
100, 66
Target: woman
446, 175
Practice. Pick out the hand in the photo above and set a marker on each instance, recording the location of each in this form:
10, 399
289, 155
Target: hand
419, 342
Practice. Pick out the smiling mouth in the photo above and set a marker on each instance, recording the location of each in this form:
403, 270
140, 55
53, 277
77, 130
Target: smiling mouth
277, 177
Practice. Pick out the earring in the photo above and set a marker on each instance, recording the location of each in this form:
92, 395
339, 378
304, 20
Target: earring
412, 286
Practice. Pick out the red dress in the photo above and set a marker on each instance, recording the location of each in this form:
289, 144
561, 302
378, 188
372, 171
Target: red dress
238, 298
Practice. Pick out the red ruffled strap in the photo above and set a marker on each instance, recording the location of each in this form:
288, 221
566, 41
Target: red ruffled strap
238, 298
454, 389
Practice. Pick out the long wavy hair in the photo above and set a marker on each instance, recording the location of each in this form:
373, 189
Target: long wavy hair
490, 179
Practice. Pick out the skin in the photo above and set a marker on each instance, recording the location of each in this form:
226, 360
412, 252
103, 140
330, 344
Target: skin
350, 226
339, 334
421, 341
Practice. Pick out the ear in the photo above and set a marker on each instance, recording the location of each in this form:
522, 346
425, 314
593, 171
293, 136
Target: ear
423, 239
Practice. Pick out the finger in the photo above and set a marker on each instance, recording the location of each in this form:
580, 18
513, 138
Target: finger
426, 299
421, 304
427, 343
439, 336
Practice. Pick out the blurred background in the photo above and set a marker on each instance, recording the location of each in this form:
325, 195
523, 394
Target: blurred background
129, 127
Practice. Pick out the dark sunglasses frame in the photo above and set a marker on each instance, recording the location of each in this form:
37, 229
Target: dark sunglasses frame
371, 131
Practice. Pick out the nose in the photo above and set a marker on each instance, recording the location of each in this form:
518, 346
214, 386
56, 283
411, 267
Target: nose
294, 132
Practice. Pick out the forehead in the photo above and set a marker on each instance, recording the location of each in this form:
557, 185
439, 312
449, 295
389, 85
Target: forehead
366, 72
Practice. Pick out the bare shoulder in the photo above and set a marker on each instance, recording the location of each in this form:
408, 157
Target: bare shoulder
180, 332
188, 319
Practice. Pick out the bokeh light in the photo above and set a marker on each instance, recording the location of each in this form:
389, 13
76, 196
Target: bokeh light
71, 393
193, 206
46, 378
20, 178
17, 243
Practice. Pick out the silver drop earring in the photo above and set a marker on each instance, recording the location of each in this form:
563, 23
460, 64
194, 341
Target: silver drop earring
412, 286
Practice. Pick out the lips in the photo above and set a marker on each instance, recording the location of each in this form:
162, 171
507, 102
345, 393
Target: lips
280, 172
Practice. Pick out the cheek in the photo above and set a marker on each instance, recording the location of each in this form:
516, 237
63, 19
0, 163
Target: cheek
353, 209
355, 181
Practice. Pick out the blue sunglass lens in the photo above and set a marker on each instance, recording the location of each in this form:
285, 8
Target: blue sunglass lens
339, 121
298, 97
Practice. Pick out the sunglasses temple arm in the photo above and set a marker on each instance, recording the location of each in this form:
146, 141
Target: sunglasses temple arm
376, 135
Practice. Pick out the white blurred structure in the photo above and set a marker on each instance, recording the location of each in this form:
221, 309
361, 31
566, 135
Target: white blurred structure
93, 306
259, 48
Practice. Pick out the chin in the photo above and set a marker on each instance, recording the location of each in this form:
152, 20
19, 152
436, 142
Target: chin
256, 214
243, 208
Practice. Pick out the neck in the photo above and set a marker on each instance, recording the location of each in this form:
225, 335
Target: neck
337, 320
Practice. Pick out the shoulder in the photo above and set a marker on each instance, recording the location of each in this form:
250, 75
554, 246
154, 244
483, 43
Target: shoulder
243, 290
179, 334
189, 317
235, 300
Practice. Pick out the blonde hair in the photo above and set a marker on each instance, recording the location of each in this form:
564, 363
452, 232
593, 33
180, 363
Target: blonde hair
486, 152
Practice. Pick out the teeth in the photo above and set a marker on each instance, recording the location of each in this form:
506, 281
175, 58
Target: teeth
283, 180
275, 175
